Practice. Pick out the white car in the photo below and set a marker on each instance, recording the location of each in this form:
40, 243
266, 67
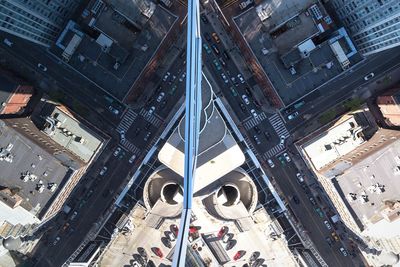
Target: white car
117, 151
122, 135
166, 76
73, 216
113, 110
288, 159
300, 177
327, 224
271, 163
103, 170
241, 78
182, 76
369, 76
224, 78
344, 252
56, 240
132, 159
254, 113
151, 110
160, 97
282, 140
293, 115
42, 67
245, 99
8, 42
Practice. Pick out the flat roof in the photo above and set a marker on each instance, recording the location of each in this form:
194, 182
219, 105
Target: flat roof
27, 156
76, 137
331, 144
377, 168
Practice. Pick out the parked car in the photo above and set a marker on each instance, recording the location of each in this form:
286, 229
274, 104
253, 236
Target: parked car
217, 65
254, 256
327, 224
222, 61
215, 37
296, 199
158, 252
286, 155
171, 236
369, 76
230, 244
207, 48
239, 254
207, 36
174, 229
300, 177
271, 163
226, 55
312, 200
223, 231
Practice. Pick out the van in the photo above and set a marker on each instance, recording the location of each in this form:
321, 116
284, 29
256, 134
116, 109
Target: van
8, 42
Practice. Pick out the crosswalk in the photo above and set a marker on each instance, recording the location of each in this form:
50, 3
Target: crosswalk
278, 125
126, 121
254, 121
130, 147
273, 151
150, 118
250, 145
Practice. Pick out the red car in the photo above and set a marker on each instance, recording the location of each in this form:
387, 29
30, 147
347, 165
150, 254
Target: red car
174, 229
223, 231
239, 254
158, 252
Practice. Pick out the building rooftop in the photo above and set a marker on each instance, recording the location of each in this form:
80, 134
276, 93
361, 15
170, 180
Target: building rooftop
372, 181
335, 142
27, 157
61, 126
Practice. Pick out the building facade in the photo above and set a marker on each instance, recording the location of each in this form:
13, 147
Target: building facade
39, 21
374, 24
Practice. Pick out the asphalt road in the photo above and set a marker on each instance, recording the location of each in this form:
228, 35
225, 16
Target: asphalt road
285, 175
341, 88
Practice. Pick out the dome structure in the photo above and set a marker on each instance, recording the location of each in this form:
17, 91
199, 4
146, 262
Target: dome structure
12, 243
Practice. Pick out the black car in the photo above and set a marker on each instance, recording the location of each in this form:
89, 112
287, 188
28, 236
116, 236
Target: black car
215, 48
296, 200
248, 91
207, 36
230, 244
142, 252
254, 256
242, 106
226, 55
267, 135
258, 131
204, 18
258, 263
